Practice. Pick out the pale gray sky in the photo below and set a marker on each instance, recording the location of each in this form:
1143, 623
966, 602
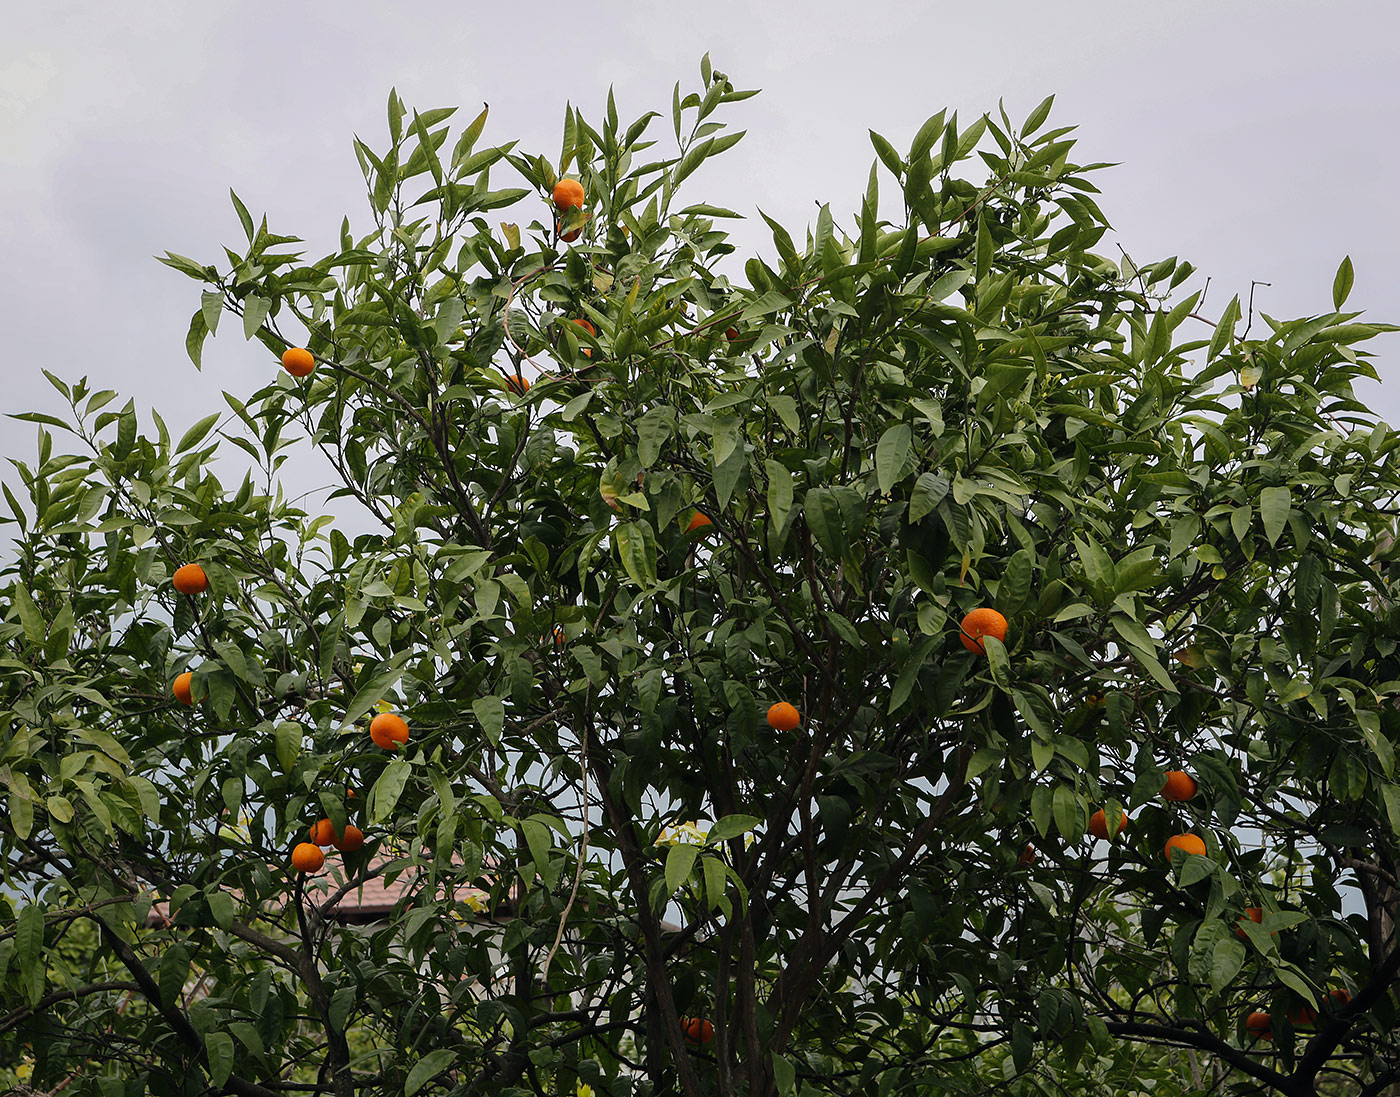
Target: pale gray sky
1255, 139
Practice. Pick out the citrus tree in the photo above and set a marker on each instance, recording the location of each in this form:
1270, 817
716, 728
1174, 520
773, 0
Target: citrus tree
928, 657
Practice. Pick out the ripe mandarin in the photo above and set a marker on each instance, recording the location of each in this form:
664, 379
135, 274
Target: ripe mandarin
783, 716
307, 857
586, 326
322, 832
981, 622
568, 194
697, 1030
351, 840
1260, 1024
699, 520
388, 730
181, 688
1190, 843
518, 384
298, 361
190, 579
1180, 785
1098, 824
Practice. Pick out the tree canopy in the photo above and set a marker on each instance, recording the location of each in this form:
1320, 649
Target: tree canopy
625, 492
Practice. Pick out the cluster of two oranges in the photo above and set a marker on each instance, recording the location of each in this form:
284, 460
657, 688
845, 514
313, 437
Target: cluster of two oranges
189, 579
1260, 1024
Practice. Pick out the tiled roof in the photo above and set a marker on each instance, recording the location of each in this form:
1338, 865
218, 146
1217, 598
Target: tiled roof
371, 901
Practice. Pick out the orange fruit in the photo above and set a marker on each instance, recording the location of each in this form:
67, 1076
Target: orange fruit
307, 857
783, 716
731, 334
181, 688
322, 832
1341, 996
568, 194
979, 623
1191, 843
190, 579
1254, 914
586, 326
1260, 1024
567, 237
1098, 824
1303, 1015
518, 384
388, 731
298, 361
1180, 785
697, 1030
1027, 856
351, 840
698, 520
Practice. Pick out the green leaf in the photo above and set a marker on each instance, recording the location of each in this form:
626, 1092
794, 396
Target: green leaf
997, 662
254, 313
780, 493
384, 796
21, 813
784, 1074
221, 908
1275, 504
105, 742
428, 1068
1225, 330
1036, 117
35, 630
822, 511
731, 826
636, 549
1133, 632
373, 691
211, 304
29, 946
887, 154
1226, 959
288, 741
244, 217
194, 339
1341, 285
491, 714
1069, 813
219, 1046
1015, 585
909, 673
1195, 867
653, 432
929, 490
891, 453
539, 839
1098, 565
680, 859
174, 973
786, 409
196, 433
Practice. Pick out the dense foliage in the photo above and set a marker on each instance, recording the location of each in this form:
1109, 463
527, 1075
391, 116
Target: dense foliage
948, 401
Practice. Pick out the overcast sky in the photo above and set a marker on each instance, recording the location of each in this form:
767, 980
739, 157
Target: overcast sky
1255, 139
